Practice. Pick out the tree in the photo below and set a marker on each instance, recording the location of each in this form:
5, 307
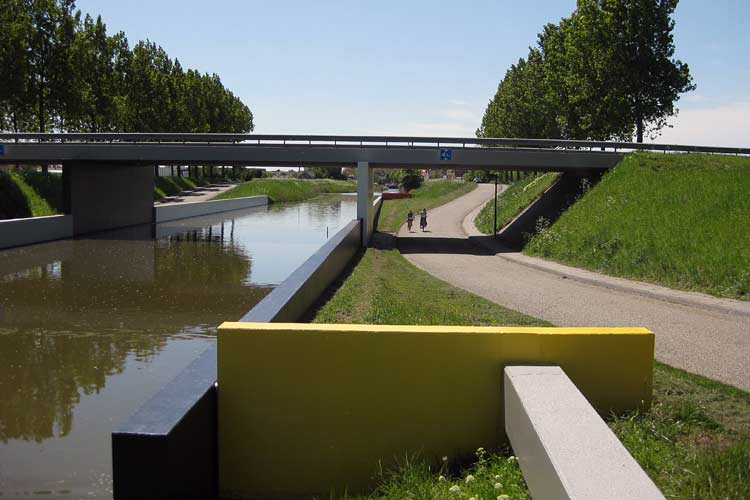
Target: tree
521, 108
643, 45
605, 72
609, 68
61, 73
326, 172
14, 66
96, 58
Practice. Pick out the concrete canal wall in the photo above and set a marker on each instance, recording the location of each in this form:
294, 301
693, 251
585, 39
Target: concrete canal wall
19, 232
184, 210
27, 231
169, 447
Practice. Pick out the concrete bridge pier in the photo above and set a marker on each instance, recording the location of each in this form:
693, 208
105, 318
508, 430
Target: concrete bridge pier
103, 196
365, 211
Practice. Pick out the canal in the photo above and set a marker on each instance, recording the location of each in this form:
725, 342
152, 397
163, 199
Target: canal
93, 327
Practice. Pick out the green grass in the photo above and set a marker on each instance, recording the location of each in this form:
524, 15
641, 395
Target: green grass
280, 190
694, 442
513, 200
385, 288
19, 198
430, 195
170, 186
47, 186
678, 220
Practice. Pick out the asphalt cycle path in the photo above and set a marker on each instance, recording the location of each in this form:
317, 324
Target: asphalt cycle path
695, 332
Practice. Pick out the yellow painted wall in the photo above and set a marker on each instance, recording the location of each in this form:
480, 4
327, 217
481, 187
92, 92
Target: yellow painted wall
307, 408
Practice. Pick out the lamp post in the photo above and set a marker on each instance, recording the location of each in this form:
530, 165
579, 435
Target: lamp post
494, 223
494, 220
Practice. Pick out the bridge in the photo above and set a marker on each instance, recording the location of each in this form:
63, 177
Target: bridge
106, 184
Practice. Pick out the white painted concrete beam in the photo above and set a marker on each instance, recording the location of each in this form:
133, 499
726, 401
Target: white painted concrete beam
17, 232
185, 210
565, 449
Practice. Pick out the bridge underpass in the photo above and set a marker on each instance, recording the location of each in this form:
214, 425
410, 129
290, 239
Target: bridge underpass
108, 179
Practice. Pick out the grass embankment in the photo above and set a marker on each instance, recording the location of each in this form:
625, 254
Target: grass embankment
513, 200
170, 186
29, 194
694, 442
430, 195
280, 190
678, 220
385, 288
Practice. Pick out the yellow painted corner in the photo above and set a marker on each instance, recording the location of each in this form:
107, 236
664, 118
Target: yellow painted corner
334, 405
324, 327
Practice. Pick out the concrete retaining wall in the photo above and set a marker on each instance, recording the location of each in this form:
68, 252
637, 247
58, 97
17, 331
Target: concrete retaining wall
377, 204
335, 402
303, 288
550, 205
183, 211
17, 232
168, 448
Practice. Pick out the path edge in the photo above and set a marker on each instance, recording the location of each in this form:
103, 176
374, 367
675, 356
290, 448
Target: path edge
649, 290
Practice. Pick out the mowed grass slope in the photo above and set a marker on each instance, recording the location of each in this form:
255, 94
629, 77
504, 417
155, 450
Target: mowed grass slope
513, 200
22, 195
280, 190
430, 195
385, 288
678, 220
169, 186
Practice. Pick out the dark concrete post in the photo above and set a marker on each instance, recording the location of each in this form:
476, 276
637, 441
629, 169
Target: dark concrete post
103, 196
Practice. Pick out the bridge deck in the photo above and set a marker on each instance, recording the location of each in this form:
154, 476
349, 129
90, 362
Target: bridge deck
294, 150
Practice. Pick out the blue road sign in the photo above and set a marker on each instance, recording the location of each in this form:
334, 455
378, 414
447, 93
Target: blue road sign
2, 149
446, 154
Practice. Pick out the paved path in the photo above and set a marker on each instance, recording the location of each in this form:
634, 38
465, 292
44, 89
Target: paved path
702, 334
204, 193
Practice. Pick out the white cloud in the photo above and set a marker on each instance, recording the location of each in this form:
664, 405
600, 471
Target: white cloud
438, 129
458, 102
461, 115
725, 124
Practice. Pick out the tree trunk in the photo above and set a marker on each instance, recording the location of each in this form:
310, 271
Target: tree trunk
639, 129
45, 168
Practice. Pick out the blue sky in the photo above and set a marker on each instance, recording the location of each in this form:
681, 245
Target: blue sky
414, 67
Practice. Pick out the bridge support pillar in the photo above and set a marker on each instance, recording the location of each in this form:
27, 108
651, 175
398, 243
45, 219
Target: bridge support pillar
365, 211
107, 196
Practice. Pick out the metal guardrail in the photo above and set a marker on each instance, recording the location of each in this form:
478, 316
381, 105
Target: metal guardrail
357, 140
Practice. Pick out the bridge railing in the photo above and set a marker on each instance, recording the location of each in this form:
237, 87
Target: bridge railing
360, 141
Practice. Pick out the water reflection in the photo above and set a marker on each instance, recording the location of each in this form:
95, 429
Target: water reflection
91, 328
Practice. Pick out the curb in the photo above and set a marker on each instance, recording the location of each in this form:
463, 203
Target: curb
648, 290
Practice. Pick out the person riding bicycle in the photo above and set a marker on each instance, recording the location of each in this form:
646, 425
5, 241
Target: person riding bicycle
409, 219
423, 219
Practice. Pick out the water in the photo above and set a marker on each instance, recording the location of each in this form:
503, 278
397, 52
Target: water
92, 328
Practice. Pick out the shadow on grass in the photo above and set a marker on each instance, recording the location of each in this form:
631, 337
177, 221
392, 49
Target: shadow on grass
13, 201
48, 186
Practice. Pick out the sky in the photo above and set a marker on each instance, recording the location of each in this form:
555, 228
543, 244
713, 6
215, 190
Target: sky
414, 67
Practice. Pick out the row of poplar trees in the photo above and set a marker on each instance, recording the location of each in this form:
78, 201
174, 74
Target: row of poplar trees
61, 72
606, 72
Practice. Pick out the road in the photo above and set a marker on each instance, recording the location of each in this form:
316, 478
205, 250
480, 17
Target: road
712, 341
